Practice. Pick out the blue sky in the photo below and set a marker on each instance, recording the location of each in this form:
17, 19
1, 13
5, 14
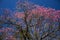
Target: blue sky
47, 3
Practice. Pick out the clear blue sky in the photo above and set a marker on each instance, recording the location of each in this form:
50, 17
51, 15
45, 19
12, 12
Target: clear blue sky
47, 3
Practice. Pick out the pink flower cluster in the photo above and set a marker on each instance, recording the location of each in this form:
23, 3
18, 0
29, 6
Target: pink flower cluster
10, 38
41, 11
6, 30
19, 14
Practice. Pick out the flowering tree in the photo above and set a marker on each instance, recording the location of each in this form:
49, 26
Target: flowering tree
29, 22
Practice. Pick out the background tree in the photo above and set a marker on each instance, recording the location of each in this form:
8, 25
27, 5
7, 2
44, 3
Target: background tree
29, 22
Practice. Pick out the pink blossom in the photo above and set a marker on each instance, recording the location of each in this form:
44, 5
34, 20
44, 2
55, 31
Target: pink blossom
7, 29
10, 38
1, 30
19, 15
18, 23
